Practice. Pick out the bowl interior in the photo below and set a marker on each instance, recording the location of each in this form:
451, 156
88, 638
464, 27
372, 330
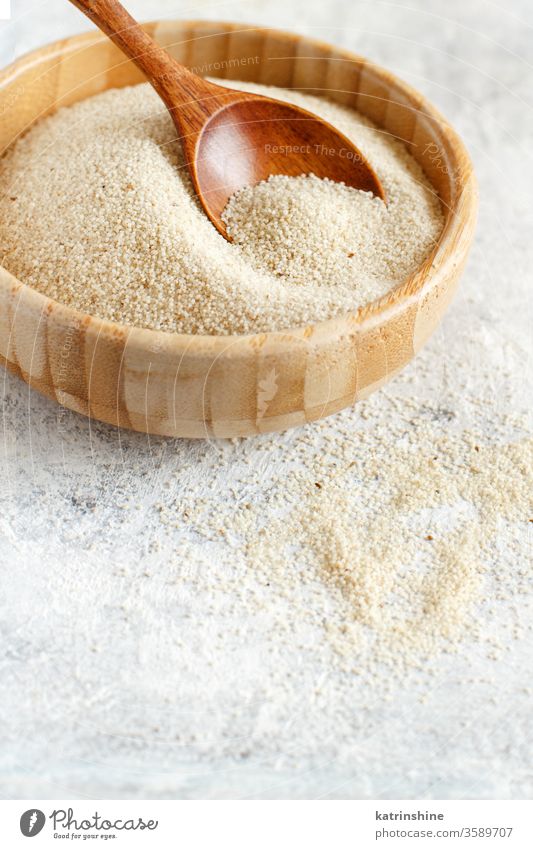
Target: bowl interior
72, 70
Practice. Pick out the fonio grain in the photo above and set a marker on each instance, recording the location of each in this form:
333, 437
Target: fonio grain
97, 211
380, 532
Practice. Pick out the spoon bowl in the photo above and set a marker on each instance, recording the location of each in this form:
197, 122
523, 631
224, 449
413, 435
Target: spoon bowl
232, 139
255, 137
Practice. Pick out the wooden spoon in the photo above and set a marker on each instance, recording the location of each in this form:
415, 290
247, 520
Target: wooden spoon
230, 138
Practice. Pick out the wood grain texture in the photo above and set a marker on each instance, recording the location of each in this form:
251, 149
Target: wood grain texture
202, 386
233, 139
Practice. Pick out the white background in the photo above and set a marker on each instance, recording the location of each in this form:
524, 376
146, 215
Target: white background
263, 825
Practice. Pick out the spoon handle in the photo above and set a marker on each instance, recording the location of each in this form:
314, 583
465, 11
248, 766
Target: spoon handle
175, 84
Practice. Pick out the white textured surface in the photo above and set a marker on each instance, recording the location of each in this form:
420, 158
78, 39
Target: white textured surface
100, 692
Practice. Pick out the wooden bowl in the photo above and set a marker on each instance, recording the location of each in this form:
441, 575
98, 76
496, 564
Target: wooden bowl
225, 386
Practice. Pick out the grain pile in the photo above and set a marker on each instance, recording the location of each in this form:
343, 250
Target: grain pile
311, 231
98, 212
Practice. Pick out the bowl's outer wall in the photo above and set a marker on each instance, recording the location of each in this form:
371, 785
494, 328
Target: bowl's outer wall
180, 385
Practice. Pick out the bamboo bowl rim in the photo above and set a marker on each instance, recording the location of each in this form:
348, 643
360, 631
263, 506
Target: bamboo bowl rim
375, 313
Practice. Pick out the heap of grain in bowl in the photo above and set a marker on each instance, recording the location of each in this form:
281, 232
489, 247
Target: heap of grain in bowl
97, 211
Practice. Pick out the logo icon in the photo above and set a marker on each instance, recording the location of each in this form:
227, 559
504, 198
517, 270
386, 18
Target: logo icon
268, 388
32, 822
